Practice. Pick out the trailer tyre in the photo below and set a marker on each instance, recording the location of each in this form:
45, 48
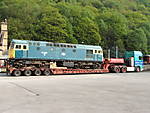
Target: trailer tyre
16, 73
47, 72
37, 72
123, 69
116, 69
137, 69
27, 72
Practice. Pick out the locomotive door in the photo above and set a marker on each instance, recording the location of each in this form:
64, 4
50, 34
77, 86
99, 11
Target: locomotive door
25, 50
18, 51
98, 57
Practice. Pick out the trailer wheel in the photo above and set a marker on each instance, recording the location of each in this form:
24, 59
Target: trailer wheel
137, 69
123, 69
47, 72
27, 72
16, 73
117, 69
37, 72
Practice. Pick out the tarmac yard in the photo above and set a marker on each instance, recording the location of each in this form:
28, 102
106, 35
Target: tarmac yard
97, 93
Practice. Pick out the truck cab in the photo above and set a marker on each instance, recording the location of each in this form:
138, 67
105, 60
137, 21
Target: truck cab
134, 60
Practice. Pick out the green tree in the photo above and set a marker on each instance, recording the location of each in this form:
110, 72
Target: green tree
113, 27
87, 32
52, 26
137, 40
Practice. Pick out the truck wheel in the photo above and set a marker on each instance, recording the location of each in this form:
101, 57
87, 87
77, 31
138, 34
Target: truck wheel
16, 73
27, 72
117, 70
123, 69
47, 72
37, 72
137, 69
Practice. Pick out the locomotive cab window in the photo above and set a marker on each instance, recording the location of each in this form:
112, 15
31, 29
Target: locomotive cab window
25, 47
21, 47
95, 51
18, 47
99, 51
47, 45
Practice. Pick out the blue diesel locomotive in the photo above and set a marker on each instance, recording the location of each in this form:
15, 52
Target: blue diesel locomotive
41, 53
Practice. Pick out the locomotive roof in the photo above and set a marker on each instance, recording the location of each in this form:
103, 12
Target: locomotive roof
44, 42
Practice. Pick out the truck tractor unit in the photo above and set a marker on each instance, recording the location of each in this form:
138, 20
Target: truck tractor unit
132, 61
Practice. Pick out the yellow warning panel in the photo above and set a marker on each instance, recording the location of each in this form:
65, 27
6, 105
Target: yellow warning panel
11, 53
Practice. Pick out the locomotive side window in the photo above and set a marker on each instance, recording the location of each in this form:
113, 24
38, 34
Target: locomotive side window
30, 43
61, 45
50, 44
47, 44
89, 51
34, 44
56, 45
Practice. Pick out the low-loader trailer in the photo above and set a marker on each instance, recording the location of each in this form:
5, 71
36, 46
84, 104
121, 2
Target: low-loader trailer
132, 61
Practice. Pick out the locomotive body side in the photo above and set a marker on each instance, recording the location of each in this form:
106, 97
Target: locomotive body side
40, 53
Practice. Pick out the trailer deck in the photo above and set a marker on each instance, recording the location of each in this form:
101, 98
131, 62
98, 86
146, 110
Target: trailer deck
78, 71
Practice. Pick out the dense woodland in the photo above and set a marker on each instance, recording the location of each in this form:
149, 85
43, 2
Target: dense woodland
108, 23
